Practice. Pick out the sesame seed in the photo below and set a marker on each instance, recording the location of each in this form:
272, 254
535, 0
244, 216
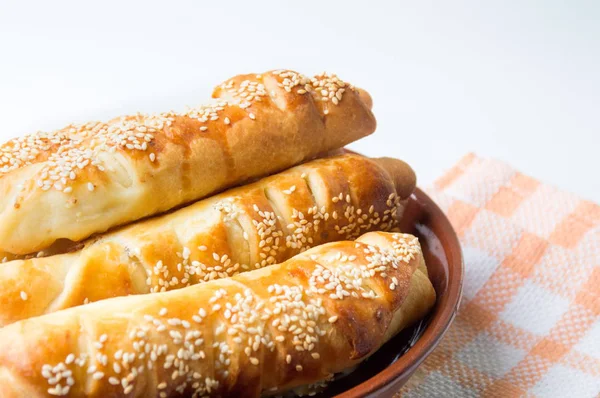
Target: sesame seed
23, 296
290, 190
90, 186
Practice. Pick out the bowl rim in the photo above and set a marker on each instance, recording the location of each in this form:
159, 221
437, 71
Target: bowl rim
440, 319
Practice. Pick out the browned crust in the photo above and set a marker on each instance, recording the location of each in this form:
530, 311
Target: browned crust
194, 154
339, 198
362, 325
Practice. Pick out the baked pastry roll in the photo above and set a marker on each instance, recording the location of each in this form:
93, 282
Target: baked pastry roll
246, 228
264, 331
87, 178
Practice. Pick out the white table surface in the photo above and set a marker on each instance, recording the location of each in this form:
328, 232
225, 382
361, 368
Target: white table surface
516, 80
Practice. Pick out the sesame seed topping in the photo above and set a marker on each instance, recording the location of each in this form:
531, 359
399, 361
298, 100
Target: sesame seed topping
68, 152
244, 322
23, 296
329, 87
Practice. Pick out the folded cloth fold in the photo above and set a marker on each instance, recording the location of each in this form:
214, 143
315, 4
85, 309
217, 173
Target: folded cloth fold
529, 323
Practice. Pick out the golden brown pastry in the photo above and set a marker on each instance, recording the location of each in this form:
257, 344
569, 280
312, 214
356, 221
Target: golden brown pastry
85, 179
260, 224
264, 331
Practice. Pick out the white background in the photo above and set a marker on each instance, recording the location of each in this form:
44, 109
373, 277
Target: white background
517, 80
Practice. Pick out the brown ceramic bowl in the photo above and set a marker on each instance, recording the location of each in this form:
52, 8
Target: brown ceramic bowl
384, 373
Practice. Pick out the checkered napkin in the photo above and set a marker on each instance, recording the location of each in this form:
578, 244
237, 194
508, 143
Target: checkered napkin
529, 323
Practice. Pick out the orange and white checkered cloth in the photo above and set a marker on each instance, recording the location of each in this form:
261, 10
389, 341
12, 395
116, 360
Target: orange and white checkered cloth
529, 323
